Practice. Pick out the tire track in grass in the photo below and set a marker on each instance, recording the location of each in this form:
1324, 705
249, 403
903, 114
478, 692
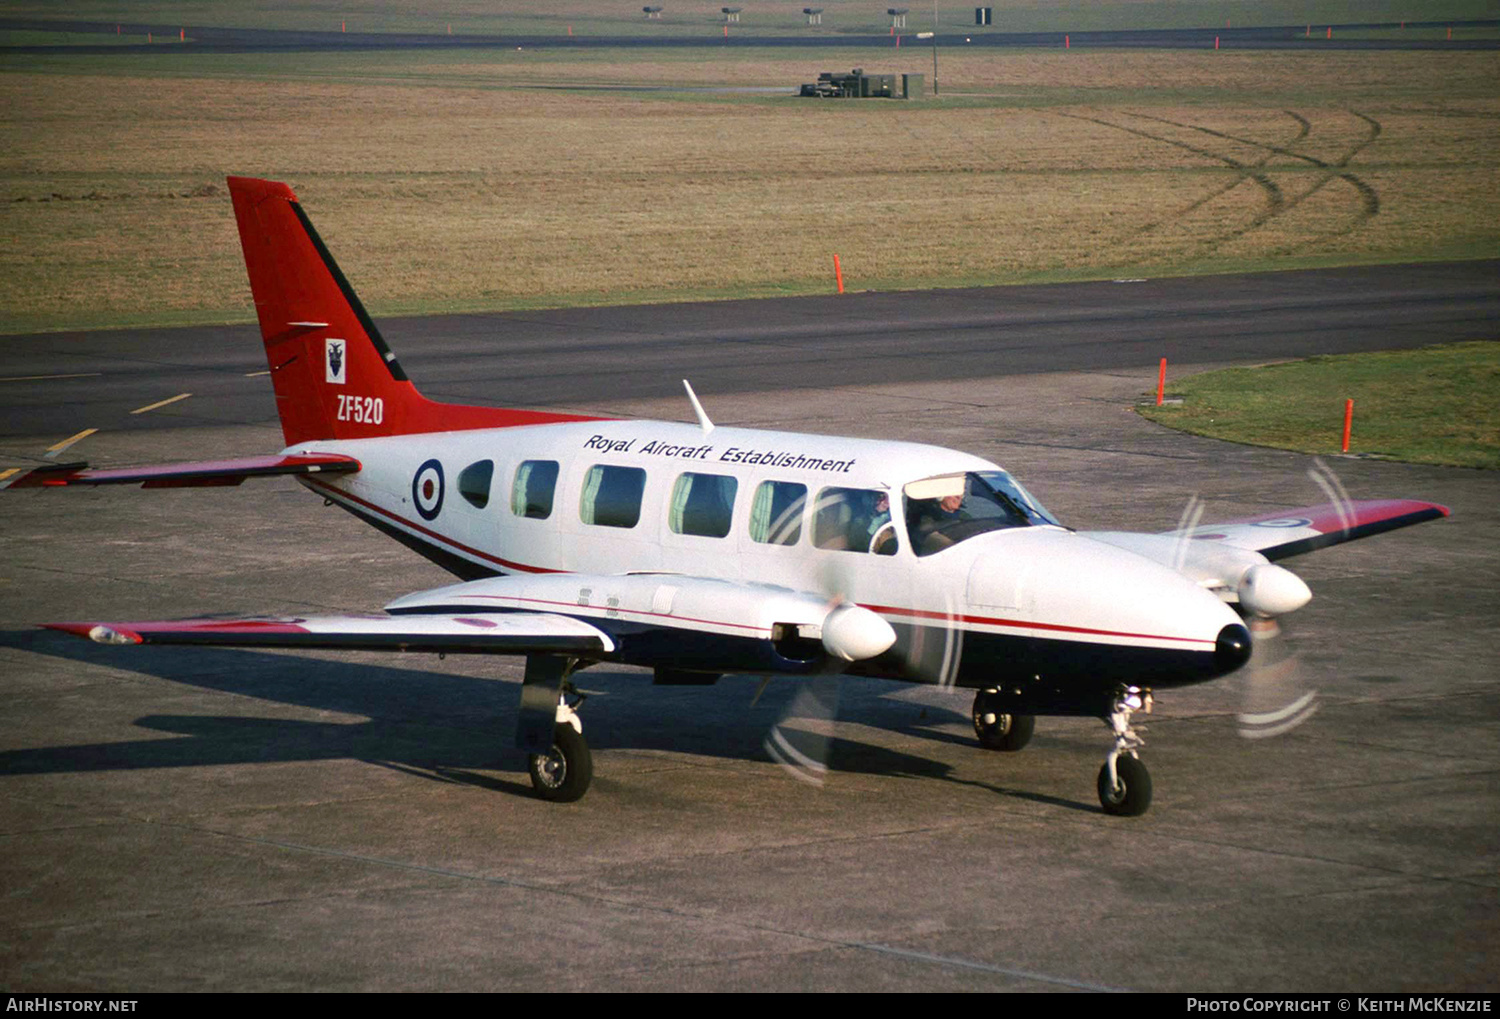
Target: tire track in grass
1275, 200
1369, 197
1304, 128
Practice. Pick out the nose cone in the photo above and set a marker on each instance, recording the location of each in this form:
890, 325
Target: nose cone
1096, 612
1232, 649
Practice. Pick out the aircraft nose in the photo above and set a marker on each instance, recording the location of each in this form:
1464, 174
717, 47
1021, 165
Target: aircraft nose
1232, 649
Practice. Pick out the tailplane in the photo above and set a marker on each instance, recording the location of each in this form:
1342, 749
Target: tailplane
334, 375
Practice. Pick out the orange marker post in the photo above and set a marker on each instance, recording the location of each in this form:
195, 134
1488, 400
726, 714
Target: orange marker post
898, 42
1348, 422
1450, 34
838, 273
1067, 42
343, 26
1216, 42
1330, 31
1161, 382
182, 35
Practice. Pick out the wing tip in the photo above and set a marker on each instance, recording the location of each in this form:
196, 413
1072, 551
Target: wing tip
99, 633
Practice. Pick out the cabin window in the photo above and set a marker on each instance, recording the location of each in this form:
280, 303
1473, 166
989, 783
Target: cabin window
702, 504
612, 496
776, 513
474, 483
854, 520
536, 481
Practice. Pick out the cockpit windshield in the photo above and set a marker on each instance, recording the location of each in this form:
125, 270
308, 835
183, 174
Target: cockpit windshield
945, 510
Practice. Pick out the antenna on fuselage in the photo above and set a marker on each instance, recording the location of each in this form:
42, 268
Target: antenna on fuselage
703, 421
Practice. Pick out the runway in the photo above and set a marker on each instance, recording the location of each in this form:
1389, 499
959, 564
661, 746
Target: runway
185, 819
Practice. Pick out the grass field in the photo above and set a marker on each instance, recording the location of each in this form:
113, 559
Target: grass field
1435, 405
502, 179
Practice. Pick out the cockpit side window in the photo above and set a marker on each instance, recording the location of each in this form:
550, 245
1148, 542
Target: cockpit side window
945, 510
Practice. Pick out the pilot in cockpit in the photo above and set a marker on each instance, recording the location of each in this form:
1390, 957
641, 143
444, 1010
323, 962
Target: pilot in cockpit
925, 519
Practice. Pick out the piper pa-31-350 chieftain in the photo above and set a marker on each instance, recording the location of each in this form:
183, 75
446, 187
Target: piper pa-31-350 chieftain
697, 551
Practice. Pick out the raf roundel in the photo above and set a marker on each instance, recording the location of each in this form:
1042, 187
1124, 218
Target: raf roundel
427, 489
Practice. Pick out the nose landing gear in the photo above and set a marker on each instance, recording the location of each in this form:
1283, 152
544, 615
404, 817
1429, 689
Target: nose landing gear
1124, 782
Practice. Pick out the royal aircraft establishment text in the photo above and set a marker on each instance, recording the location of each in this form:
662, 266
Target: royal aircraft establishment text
732, 455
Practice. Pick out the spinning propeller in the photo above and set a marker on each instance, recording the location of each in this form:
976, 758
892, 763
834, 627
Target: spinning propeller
801, 738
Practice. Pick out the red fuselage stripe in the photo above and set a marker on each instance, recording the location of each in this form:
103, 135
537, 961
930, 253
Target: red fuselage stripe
1025, 625
889, 610
341, 494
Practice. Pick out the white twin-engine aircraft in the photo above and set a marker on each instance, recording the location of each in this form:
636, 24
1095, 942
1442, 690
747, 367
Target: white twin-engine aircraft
698, 551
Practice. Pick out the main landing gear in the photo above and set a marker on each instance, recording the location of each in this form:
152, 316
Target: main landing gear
549, 729
996, 729
562, 774
1124, 782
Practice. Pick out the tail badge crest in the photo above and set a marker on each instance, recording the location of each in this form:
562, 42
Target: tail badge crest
335, 361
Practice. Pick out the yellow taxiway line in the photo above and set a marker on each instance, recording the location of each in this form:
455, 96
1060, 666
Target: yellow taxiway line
161, 403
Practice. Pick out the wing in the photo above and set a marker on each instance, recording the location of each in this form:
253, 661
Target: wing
468, 633
183, 475
1293, 532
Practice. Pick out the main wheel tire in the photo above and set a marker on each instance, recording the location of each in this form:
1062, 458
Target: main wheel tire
1132, 794
997, 730
563, 774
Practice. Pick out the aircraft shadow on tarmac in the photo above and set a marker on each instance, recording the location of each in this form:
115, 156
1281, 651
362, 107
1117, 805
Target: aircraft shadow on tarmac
452, 728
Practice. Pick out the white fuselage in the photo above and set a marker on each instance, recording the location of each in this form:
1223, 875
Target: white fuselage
1044, 585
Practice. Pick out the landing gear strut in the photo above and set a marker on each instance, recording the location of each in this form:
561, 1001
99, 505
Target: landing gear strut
1124, 782
549, 729
997, 730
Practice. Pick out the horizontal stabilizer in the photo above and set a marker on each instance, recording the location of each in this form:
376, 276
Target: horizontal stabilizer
1288, 533
202, 474
494, 633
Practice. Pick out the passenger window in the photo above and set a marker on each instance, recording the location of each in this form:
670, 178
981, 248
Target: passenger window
536, 480
854, 520
612, 496
702, 504
474, 483
776, 513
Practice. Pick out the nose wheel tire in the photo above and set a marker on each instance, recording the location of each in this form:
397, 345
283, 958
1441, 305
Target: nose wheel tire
1130, 794
563, 774
997, 730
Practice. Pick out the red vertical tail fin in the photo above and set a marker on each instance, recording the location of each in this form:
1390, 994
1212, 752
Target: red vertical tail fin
335, 378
